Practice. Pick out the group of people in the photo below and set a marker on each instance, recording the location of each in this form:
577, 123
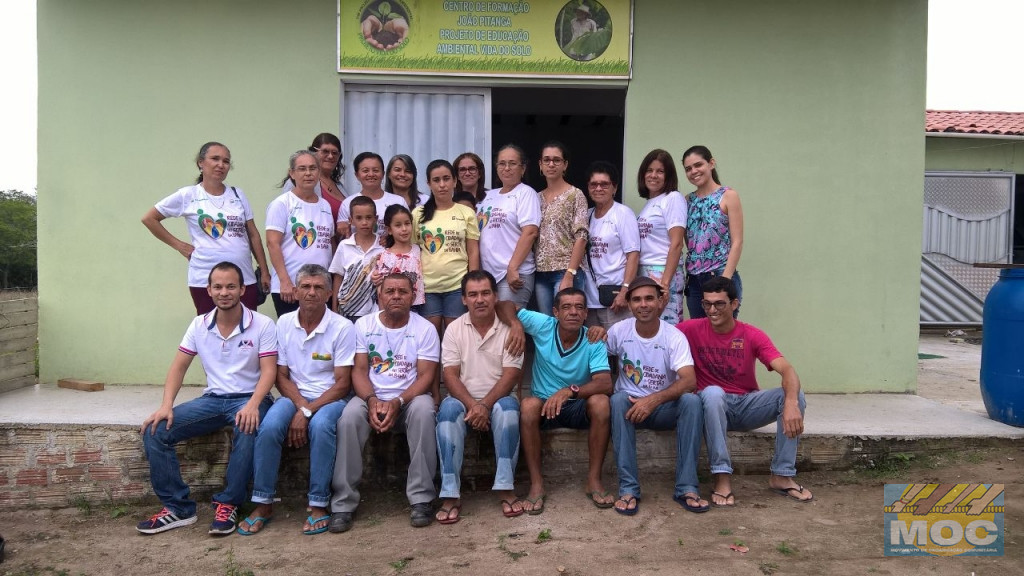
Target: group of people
376, 301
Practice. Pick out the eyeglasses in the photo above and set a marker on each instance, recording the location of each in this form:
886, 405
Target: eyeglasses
508, 165
550, 160
468, 170
328, 151
305, 169
599, 185
717, 305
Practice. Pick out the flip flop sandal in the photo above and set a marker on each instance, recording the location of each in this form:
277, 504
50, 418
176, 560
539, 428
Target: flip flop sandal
788, 493
448, 519
602, 495
313, 521
534, 510
252, 522
628, 499
723, 497
684, 501
511, 513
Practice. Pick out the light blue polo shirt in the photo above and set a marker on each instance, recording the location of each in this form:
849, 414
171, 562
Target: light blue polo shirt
555, 368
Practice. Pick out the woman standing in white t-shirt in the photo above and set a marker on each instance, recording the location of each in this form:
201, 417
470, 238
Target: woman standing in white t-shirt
369, 167
299, 230
400, 179
509, 220
220, 225
614, 246
662, 223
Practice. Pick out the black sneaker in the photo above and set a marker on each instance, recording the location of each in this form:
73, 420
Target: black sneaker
340, 522
225, 518
422, 515
163, 521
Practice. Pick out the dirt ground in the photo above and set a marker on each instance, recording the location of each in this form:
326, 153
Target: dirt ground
839, 533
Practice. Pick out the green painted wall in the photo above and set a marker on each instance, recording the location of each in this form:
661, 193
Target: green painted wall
974, 154
814, 110
128, 91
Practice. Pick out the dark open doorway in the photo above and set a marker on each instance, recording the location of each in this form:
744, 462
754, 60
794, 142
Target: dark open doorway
588, 121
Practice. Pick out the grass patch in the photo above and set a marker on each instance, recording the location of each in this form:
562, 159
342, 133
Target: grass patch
768, 568
83, 505
400, 565
923, 356
725, 532
886, 465
118, 511
233, 568
785, 549
503, 546
544, 535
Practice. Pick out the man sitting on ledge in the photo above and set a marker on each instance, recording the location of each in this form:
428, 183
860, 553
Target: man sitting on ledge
238, 349
571, 384
314, 367
724, 350
396, 355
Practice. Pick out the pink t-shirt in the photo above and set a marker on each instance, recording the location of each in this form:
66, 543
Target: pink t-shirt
727, 360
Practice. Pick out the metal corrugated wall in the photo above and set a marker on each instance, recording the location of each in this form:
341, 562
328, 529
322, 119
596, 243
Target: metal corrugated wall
424, 122
968, 219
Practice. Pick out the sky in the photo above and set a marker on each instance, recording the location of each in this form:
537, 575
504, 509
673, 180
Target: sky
972, 65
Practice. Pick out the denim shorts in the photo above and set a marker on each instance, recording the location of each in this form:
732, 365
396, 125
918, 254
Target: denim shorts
573, 415
447, 304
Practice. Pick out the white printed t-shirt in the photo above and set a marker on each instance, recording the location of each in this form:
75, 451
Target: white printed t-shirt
392, 353
307, 228
311, 358
647, 365
502, 218
232, 364
612, 237
382, 203
659, 215
216, 225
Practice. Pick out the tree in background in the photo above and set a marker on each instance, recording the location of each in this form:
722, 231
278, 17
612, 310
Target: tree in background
17, 239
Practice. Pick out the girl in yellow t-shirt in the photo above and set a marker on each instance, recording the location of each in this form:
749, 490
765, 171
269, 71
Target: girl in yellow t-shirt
448, 236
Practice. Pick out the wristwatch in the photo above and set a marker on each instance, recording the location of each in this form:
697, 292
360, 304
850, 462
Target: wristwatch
306, 412
574, 391
571, 271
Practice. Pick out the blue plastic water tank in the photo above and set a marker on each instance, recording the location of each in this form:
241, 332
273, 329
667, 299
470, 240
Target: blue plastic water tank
1002, 349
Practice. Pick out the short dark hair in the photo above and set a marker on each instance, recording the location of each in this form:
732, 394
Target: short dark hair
366, 156
570, 291
225, 265
476, 276
603, 167
671, 177
720, 284
407, 276
361, 200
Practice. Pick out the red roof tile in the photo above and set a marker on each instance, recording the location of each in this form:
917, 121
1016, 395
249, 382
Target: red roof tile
963, 122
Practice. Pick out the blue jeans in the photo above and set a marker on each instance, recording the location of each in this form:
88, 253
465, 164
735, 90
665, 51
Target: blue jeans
724, 412
695, 292
451, 442
684, 415
323, 441
204, 415
545, 287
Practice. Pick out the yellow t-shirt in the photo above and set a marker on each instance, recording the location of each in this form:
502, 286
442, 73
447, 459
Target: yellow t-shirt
442, 242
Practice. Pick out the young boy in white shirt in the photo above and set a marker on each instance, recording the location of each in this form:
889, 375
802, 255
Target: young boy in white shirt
354, 261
